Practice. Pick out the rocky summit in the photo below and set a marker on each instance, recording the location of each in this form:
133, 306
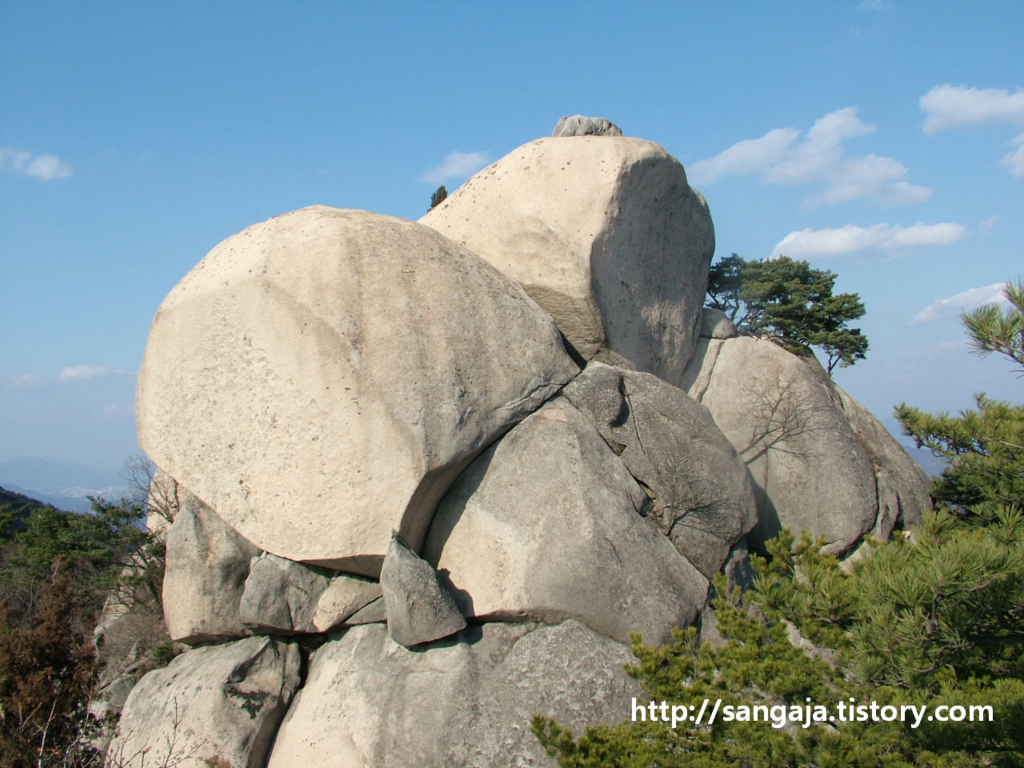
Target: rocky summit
434, 473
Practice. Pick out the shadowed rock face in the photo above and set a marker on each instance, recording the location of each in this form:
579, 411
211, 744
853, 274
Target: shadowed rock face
419, 608
321, 378
605, 234
206, 568
369, 702
702, 495
902, 486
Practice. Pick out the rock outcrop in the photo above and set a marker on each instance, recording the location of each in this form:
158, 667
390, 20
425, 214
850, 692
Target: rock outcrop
605, 234
281, 596
369, 703
546, 526
422, 520
902, 486
222, 701
786, 419
204, 579
578, 125
702, 495
419, 608
326, 363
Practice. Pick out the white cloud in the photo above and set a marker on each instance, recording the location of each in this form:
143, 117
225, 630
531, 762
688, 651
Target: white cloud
989, 224
820, 158
949, 106
813, 244
961, 302
1015, 160
457, 165
26, 380
874, 5
115, 409
81, 372
45, 167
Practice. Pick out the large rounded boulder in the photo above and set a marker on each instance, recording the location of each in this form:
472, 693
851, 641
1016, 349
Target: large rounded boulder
321, 378
605, 234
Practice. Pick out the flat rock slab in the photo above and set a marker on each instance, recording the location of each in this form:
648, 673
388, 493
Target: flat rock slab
320, 379
206, 569
703, 494
221, 701
784, 417
419, 608
604, 233
467, 703
546, 525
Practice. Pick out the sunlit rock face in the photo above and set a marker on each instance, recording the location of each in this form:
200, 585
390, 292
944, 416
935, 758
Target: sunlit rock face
605, 234
321, 378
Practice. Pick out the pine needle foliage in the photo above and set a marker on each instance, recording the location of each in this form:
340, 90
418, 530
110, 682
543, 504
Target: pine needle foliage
925, 620
792, 303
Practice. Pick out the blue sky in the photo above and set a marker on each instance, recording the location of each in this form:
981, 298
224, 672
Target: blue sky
880, 140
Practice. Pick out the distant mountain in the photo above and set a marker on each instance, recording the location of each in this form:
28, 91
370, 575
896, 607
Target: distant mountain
65, 486
21, 504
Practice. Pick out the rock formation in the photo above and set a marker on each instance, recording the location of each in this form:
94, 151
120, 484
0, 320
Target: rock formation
605, 234
411, 522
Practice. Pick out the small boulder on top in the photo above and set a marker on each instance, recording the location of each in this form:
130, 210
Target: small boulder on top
578, 125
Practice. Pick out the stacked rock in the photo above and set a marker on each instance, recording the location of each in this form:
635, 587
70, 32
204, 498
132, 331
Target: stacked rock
412, 521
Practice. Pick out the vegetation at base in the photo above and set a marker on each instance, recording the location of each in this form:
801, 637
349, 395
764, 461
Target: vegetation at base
57, 572
984, 446
936, 620
933, 617
791, 303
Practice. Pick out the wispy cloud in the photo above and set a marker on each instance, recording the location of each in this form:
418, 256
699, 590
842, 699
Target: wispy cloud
44, 167
781, 157
813, 244
457, 165
989, 224
957, 106
874, 5
26, 380
1015, 160
961, 302
116, 409
82, 372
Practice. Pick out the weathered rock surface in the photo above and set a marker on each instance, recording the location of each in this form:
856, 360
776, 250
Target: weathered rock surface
578, 125
281, 595
604, 233
206, 568
216, 701
369, 703
327, 363
545, 525
902, 486
371, 613
715, 324
703, 495
419, 608
345, 596
784, 417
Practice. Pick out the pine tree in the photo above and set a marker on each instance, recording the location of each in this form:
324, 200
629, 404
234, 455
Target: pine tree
792, 303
